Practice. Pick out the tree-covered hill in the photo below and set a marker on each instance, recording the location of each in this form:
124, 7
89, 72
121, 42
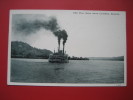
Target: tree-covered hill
23, 50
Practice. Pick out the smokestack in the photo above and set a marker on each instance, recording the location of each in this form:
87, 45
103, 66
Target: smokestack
63, 49
58, 45
64, 36
59, 36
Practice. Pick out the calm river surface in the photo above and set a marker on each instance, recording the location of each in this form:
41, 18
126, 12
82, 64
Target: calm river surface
76, 71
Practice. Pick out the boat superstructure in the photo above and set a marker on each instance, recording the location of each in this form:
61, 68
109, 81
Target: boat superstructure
58, 57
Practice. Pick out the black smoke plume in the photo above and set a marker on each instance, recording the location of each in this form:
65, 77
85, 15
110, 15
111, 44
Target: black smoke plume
61, 34
31, 26
64, 33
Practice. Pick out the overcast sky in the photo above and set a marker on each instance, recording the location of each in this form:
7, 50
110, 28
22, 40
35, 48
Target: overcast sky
90, 33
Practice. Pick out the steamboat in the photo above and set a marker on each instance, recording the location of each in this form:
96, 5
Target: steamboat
58, 57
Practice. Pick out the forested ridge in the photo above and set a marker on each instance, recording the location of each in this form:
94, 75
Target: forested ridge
23, 50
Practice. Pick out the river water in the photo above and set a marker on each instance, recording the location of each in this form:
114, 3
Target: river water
76, 71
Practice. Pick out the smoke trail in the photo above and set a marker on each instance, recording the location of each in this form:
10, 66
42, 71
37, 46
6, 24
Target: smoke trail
32, 26
64, 36
61, 34
26, 25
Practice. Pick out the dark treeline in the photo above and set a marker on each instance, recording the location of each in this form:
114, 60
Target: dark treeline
24, 50
78, 58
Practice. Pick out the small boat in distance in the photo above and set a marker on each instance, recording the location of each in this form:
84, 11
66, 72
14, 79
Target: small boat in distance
58, 57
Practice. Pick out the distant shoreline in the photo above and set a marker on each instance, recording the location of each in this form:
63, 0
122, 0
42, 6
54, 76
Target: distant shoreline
94, 58
119, 58
23, 50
